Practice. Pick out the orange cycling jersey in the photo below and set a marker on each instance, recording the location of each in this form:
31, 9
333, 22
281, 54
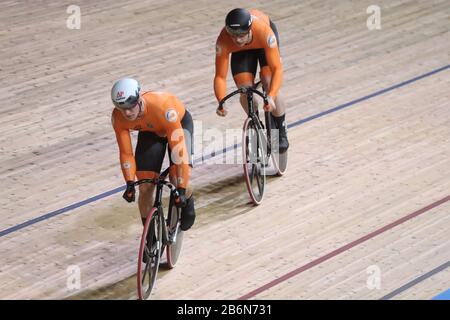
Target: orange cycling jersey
262, 38
162, 114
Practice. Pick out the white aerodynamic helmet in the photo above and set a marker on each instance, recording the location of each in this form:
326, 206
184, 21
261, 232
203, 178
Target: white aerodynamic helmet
125, 93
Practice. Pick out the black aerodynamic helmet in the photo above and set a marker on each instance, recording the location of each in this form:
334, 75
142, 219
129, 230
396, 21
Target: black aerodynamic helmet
238, 21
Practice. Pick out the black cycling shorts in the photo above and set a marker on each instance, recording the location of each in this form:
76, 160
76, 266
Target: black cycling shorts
247, 60
151, 148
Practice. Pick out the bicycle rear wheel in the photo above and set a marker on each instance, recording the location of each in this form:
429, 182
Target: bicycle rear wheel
282, 162
175, 236
279, 161
254, 155
149, 254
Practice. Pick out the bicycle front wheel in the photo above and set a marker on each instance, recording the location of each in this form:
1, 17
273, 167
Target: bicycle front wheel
254, 156
149, 254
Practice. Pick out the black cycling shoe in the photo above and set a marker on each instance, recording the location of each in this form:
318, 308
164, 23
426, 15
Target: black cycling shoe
187, 214
284, 143
280, 124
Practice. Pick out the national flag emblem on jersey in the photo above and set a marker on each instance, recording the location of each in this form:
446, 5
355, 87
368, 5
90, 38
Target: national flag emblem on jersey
171, 115
272, 41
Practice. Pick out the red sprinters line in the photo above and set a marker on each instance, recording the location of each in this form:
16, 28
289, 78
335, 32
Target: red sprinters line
342, 249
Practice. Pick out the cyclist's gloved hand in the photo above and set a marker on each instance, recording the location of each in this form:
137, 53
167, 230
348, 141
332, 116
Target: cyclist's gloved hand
130, 192
221, 111
181, 201
271, 106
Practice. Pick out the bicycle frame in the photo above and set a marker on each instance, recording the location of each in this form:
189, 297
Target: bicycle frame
164, 236
160, 182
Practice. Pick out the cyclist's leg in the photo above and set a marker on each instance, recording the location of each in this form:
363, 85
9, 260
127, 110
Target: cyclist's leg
243, 68
188, 212
266, 75
279, 114
266, 78
149, 154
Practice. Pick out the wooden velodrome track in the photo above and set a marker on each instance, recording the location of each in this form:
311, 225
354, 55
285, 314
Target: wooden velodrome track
368, 183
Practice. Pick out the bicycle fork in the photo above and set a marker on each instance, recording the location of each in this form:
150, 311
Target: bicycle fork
158, 204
